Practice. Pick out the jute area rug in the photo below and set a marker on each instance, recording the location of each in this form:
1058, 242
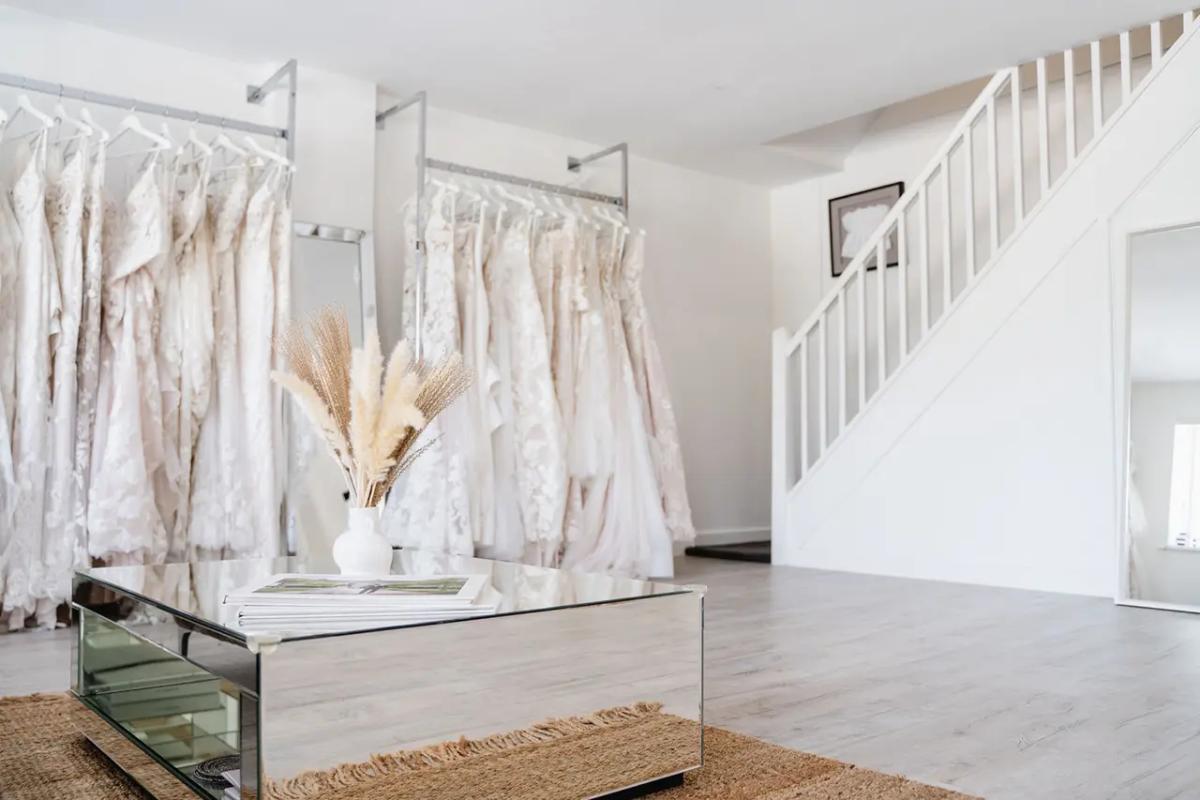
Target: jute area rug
43, 756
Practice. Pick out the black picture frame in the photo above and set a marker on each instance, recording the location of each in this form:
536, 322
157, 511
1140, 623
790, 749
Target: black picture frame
888, 193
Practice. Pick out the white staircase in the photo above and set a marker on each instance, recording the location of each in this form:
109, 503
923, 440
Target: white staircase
835, 380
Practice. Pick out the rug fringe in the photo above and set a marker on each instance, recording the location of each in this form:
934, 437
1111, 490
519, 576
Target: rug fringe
315, 783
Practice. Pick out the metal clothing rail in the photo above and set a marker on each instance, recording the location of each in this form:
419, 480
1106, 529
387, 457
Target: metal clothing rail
554, 188
172, 112
574, 164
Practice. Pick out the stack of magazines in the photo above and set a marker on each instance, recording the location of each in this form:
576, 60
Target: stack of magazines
333, 603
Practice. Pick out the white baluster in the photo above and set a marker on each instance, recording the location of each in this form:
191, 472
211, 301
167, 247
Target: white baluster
843, 401
969, 198
1097, 91
805, 405
1069, 101
862, 338
1126, 68
1018, 149
823, 387
993, 177
881, 305
902, 282
1156, 49
923, 240
946, 236
782, 445
1043, 119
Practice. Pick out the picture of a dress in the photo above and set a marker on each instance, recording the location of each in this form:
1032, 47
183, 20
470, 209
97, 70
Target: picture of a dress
852, 220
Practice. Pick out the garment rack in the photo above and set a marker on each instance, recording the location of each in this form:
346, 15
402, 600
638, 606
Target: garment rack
574, 164
254, 94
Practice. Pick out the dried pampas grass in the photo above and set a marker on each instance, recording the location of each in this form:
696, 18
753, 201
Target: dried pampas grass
369, 417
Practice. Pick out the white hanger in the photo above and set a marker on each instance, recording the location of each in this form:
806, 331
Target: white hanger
269, 155
24, 106
223, 142
196, 142
131, 124
82, 129
86, 116
528, 205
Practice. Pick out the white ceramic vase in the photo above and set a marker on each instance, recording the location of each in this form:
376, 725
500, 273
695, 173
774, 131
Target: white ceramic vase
362, 549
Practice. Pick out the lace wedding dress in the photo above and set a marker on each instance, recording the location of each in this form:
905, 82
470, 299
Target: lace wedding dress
64, 215
88, 352
220, 511
124, 524
430, 508
255, 332
38, 304
632, 538
651, 382
532, 435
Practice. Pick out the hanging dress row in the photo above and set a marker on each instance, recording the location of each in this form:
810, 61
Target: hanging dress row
565, 449
138, 301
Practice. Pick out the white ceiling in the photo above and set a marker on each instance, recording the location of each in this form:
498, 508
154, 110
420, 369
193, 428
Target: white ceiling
1164, 334
701, 83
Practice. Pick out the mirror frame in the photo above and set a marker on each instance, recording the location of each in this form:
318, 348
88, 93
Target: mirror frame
1122, 301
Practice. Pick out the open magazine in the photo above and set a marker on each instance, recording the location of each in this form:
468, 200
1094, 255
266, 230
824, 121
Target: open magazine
330, 603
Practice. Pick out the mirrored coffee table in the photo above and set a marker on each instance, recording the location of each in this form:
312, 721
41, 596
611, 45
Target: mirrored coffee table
602, 674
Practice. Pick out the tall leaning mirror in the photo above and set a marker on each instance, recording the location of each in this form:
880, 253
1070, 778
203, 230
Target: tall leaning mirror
1162, 499
331, 266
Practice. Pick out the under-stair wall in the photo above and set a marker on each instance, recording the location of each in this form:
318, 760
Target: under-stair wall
983, 448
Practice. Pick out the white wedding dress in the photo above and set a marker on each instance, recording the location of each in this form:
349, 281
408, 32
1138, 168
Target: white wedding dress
632, 537
10, 296
88, 353
124, 523
38, 304
651, 381
530, 444
220, 510
430, 506
64, 215
255, 281
191, 252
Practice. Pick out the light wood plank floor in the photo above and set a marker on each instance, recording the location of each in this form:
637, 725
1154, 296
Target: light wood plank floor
1001, 693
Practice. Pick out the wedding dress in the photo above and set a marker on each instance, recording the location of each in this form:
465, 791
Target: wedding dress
88, 353
255, 281
533, 427
281, 270
431, 509
38, 303
632, 538
124, 522
651, 382
64, 215
481, 415
191, 254
220, 509
10, 236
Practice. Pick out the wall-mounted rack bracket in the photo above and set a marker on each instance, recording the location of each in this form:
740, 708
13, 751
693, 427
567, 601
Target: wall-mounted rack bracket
257, 95
575, 164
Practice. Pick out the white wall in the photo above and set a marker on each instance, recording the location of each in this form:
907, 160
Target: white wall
1162, 574
993, 459
707, 286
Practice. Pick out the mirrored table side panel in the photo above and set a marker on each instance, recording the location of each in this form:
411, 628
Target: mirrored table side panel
158, 683
629, 673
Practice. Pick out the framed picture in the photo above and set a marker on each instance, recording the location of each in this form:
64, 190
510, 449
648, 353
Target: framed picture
854, 217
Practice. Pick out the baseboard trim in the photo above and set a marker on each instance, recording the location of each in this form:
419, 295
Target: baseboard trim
714, 536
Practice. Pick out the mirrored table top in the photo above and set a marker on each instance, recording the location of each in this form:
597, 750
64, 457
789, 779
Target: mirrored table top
196, 591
